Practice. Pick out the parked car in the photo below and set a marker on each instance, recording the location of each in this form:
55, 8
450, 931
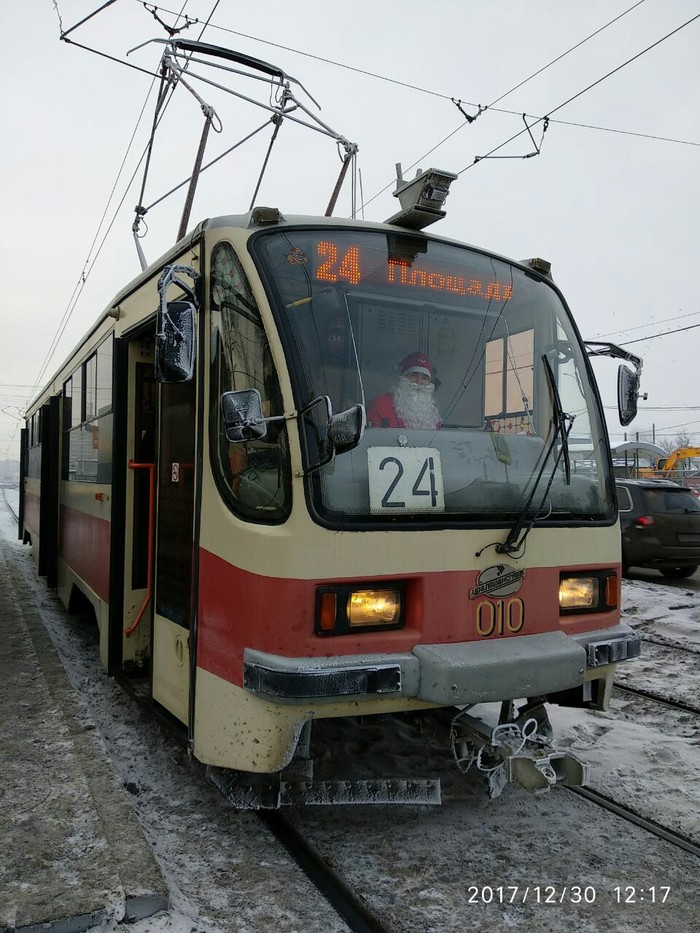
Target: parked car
660, 523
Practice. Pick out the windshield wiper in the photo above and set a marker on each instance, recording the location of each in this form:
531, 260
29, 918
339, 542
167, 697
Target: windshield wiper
563, 423
561, 418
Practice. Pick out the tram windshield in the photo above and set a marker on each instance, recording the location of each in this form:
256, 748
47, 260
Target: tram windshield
479, 399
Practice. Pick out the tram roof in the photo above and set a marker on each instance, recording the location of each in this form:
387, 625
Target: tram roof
249, 221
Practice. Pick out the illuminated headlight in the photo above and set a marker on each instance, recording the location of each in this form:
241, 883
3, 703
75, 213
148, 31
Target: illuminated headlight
345, 608
594, 592
374, 607
578, 593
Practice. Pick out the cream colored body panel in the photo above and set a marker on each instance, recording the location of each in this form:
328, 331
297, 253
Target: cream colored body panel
301, 549
247, 733
89, 498
171, 679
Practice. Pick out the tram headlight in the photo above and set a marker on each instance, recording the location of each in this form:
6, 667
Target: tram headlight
582, 592
373, 607
345, 608
578, 593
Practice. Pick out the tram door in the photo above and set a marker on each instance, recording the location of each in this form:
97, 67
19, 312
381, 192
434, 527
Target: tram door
173, 547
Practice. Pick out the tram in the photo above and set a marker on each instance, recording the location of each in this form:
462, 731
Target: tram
204, 470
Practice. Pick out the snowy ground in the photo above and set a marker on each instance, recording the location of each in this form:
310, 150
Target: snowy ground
422, 859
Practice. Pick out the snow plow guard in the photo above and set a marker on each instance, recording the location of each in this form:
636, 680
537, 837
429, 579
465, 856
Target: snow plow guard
519, 752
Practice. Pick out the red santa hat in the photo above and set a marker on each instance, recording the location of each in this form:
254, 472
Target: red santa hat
416, 363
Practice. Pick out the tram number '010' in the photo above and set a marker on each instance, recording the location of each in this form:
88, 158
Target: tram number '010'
405, 480
496, 617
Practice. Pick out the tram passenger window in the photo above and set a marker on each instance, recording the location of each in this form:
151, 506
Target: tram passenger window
87, 419
90, 387
35, 429
73, 396
103, 388
254, 477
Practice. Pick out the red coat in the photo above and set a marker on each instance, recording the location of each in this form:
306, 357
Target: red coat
382, 413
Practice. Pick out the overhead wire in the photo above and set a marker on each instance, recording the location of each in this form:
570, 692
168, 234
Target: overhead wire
656, 430
83, 278
568, 51
88, 266
406, 84
665, 333
447, 97
656, 337
627, 330
542, 119
585, 90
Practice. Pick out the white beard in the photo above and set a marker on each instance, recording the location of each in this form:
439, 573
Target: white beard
415, 405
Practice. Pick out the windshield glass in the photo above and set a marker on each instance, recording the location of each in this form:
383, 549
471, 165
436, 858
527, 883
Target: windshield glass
444, 346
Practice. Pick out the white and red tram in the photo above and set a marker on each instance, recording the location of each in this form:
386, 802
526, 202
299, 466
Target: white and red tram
201, 470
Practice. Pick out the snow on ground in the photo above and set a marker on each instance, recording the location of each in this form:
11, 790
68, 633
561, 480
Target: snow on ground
640, 753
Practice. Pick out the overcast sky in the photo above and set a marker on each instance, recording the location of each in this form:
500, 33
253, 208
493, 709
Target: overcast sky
611, 201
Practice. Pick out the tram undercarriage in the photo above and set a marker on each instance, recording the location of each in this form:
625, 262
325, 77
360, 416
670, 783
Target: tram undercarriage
518, 749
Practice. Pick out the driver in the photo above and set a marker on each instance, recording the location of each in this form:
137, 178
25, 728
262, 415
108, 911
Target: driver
411, 404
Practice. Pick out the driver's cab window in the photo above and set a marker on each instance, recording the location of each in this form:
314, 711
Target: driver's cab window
253, 476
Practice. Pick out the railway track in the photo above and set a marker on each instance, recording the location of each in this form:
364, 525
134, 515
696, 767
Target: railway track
347, 903
663, 643
626, 813
648, 695
8, 506
339, 895
649, 678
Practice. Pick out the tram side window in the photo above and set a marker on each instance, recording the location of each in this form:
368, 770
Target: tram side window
87, 419
34, 443
254, 477
35, 430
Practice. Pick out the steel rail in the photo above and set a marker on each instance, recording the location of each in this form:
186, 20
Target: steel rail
668, 835
669, 644
346, 902
647, 695
8, 506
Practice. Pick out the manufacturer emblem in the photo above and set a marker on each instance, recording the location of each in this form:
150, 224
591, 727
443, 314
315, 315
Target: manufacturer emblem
499, 580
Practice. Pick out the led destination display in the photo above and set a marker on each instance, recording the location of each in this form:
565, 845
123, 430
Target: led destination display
357, 264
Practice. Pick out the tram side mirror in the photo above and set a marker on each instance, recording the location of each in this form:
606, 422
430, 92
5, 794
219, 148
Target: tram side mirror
175, 342
326, 434
315, 419
345, 429
243, 416
627, 395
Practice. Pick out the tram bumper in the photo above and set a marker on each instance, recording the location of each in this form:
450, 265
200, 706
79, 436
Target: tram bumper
508, 668
488, 671
447, 674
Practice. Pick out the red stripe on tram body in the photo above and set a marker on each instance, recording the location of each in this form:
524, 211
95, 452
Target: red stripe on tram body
240, 609
84, 546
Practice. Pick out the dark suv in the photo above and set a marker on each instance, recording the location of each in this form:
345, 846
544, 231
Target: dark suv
660, 523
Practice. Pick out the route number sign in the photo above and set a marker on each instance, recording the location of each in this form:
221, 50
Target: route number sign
405, 480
